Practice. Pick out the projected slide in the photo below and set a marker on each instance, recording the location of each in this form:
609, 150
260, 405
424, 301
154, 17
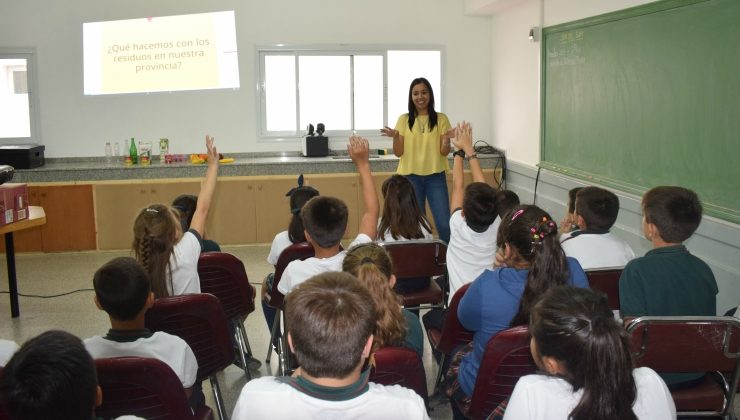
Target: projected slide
158, 54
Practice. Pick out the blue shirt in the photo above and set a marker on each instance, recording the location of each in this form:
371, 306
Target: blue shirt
489, 306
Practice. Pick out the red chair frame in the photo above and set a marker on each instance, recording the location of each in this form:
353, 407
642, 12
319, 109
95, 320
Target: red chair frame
420, 258
606, 280
400, 366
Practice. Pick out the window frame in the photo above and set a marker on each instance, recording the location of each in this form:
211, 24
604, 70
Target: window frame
350, 50
29, 54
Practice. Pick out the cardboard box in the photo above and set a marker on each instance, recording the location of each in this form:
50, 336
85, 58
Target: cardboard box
13, 203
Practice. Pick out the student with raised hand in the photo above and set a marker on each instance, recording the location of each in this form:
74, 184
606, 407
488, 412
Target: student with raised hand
186, 204
501, 298
51, 377
395, 326
592, 244
586, 364
169, 255
669, 280
421, 138
330, 319
325, 221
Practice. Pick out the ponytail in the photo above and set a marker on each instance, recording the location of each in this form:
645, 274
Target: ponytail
298, 198
155, 232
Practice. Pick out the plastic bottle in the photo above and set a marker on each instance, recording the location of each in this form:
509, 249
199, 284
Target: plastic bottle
133, 152
108, 153
116, 150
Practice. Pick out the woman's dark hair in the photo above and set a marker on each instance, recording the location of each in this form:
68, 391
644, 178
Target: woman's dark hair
298, 197
576, 327
534, 235
402, 216
430, 105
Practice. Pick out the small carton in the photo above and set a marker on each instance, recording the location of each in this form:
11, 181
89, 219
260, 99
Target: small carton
13, 203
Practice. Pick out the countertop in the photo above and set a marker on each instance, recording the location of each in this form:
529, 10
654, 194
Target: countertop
246, 164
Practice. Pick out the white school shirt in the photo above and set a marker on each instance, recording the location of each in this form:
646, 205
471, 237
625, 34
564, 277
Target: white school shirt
386, 237
184, 265
469, 252
268, 398
7, 350
541, 397
299, 271
597, 250
279, 243
171, 349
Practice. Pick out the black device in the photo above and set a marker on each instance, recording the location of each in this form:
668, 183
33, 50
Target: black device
22, 156
315, 146
6, 173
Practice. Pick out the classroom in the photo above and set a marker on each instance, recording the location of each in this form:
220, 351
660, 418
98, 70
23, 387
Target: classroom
490, 74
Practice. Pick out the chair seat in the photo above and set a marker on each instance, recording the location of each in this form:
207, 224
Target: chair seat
431, 295
203, 413
705, 396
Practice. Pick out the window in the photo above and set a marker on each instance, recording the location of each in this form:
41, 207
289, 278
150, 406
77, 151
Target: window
17, 97
347, 89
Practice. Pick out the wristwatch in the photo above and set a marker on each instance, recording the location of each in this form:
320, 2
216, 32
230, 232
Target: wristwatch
460, 153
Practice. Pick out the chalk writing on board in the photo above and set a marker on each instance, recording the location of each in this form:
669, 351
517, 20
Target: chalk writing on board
566, 50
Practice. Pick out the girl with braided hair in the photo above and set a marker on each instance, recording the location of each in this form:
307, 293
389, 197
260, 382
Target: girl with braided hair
394, 326
169, 255
575, 339
532, 262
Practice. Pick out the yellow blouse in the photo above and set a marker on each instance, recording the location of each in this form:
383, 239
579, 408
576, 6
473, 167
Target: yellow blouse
421, 145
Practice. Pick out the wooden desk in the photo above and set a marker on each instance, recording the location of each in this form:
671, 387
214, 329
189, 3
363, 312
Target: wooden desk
36, 217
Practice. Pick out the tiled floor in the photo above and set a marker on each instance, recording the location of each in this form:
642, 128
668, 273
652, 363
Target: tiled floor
51, 274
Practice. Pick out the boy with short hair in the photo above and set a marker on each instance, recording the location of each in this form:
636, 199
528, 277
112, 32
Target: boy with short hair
51, 377
669, 280
593, 245
123, 290
331, 319
325, 221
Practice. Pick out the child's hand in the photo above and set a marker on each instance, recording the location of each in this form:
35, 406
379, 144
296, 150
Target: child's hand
212, 152
464, 137
501, 260
358, 149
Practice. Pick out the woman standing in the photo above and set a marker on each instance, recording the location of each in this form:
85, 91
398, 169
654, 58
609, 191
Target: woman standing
422, 140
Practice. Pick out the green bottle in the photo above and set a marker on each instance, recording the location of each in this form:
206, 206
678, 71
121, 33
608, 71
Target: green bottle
133, 153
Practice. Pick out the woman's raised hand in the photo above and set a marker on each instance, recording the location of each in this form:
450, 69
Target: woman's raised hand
388, 132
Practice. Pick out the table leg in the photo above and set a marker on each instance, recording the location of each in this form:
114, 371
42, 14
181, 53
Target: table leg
12, 281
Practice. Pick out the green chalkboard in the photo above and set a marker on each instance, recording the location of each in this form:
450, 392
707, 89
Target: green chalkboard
648, 96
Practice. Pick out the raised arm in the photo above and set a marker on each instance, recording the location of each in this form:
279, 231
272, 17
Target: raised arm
359, 150
458, 182
397, 139
464, 141
207, 188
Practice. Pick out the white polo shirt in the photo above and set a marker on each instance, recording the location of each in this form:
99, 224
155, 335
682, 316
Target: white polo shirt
597, 250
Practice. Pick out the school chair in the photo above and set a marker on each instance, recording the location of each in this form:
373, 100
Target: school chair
223, 275
505, 360
200, 320
682, 344
417, 259
606, 280
451, 335
400, 366
143, 387
274, 298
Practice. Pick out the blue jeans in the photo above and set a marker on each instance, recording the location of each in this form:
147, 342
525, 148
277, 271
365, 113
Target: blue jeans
434, 188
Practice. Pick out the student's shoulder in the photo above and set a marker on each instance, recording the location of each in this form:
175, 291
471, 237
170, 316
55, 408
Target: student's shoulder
395, 394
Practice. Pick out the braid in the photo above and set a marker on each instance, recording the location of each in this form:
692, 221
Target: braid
154, 233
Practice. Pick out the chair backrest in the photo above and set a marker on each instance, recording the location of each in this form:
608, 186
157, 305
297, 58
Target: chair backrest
505, 360
142, 387
400, 366
198, 319
606, 280
223, 275
418, 258
296, 251
453, 333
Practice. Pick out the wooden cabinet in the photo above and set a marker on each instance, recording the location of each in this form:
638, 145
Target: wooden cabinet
231, 219
70, 220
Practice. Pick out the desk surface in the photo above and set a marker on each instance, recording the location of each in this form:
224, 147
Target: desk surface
36, 217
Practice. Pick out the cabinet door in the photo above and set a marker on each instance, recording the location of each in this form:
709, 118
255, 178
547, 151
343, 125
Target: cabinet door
70, 218
117, 206
273, 206
231, 219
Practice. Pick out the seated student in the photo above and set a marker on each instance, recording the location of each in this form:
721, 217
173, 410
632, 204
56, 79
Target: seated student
505, 201
501, 298
7, 348
569, 224
325, 221
169, 255
123, 291
593, 245
330, 320
395, 326
186, 205
586, 364
669, 280
51, 377
402, 218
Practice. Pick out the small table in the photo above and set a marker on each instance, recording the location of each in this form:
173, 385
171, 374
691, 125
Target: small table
36, 217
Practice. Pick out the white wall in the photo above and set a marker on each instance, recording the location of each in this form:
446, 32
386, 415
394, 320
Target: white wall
75, 125
515, 126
